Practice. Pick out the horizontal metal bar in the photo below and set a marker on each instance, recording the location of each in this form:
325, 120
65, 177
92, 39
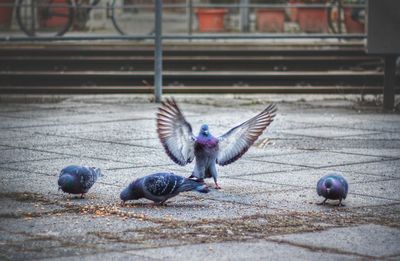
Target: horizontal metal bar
238, 5
192, 89
181, 37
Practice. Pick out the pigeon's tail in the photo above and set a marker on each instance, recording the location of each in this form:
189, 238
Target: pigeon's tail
189, 185
97, 171
202, 188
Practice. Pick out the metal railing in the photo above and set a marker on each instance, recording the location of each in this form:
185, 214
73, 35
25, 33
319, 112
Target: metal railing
239, 10
158, 37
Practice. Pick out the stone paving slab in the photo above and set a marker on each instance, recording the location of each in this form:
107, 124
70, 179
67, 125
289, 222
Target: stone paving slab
105, 256
309, 178
245, 167
329, 132
21, 155
266, 197
385, 153
317, 159
367, 240
54, 166
387, 168
260, 250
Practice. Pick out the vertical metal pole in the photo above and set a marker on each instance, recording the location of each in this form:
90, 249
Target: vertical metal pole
340, 17
244, 15
389, 82
190, 17
33, 16
158, 52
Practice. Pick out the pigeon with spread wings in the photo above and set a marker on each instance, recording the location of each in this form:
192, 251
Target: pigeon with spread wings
183, 147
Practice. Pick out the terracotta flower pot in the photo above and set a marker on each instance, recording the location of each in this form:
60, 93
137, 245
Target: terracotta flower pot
313, 20
293, 11
6, 13
60, 18
270, 20
211, 20
351, 25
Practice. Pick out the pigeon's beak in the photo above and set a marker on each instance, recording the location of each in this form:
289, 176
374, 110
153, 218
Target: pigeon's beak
206, 133
328, 190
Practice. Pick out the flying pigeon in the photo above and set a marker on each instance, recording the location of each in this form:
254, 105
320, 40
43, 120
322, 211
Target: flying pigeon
159, 187
332, 186
176, 136
77, 179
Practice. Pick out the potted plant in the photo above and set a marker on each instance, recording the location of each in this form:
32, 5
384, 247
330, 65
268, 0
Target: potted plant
6, 11
353, 16
212, 19
271, 19
313, 19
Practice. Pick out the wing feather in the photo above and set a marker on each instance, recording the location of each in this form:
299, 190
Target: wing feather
234, 143
175, 133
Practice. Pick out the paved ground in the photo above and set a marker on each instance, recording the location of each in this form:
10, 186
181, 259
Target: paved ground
265, 210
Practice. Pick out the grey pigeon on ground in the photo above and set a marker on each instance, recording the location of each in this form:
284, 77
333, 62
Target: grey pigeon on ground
175, 134
77, 179
159, 187
332, 186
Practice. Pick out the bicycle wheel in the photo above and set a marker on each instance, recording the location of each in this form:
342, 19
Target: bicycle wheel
129, 19
45, 17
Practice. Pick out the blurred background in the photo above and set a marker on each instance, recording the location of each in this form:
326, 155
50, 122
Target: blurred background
136, 17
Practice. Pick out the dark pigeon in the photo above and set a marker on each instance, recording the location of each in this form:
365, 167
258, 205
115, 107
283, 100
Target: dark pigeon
77, 179
182, 146
159, 187
333, 187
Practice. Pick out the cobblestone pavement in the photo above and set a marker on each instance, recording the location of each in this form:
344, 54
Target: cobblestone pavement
267, 206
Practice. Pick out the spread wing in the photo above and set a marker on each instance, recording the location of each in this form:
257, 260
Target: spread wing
175, 133
234, 143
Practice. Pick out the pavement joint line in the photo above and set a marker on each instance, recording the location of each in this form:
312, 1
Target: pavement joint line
327, 166
303, 169
274, 183
33, 160
140, 166
309, 187
26, 171
272, 155
96, 140
75, 124
277, 191
370, 196
176, 168
283, 163
381, 180
322, 249
355, 163
363, 173
353, 128
329, 138
67, 154
234, 202
379, 205
334, 126
42, 173
263, 172
359, 154
15, 117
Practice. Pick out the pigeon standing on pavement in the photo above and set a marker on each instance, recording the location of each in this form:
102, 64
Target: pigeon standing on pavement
334, 187
159, 187
175, 134
77, 179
